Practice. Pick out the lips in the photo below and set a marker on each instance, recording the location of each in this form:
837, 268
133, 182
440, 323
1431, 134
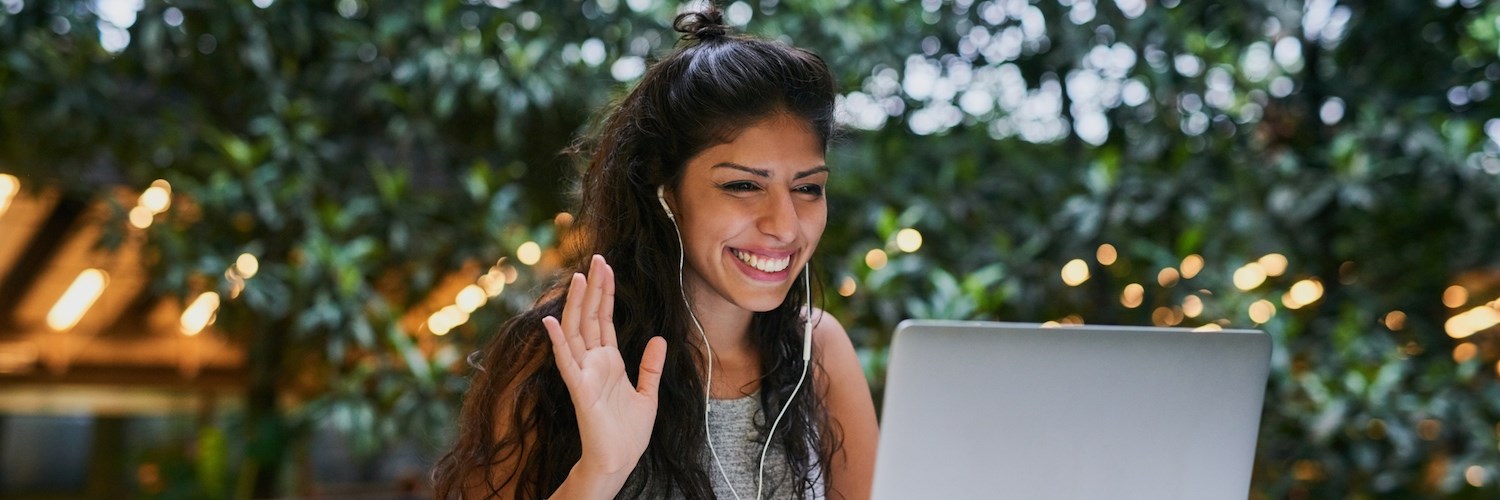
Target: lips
761, 262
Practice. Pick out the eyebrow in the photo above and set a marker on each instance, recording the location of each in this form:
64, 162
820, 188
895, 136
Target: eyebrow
767, 173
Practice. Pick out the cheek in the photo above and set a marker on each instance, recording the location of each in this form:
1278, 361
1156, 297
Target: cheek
814, 223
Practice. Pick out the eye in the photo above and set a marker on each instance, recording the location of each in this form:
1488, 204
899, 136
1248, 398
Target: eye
812, 189
739, 186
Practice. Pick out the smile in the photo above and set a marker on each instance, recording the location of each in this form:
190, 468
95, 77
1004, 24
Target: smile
761, 262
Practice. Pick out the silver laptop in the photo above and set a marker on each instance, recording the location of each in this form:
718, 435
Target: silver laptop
1008, 410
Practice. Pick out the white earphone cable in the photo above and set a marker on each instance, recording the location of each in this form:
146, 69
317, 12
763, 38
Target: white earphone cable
709, 380
760, 480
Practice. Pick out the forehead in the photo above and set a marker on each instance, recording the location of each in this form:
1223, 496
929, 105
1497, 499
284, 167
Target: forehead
778, 143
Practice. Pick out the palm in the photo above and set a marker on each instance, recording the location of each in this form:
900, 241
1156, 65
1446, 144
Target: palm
615, 418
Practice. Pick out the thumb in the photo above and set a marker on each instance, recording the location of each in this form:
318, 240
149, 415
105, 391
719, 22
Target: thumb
651, 364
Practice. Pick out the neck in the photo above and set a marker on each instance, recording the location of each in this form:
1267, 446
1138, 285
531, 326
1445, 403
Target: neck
726, 325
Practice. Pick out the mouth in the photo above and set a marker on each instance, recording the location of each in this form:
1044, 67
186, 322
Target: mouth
762, 266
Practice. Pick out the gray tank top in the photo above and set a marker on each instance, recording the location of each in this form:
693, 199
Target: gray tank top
731, 422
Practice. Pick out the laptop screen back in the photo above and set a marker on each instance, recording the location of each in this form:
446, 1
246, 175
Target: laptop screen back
1004, 410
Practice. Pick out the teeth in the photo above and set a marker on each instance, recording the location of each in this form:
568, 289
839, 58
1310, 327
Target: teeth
765, 264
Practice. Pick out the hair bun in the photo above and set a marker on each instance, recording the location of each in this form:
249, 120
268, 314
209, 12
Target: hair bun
705, 25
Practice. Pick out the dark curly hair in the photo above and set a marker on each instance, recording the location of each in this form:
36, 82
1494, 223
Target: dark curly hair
517, 428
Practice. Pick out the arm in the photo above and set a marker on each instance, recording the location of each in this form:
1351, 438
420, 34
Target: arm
846, 395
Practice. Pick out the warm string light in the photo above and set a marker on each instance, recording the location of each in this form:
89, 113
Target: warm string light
1249, 276
1273, 264
152, 202
247, 265
847, 286
1471, 321
1192, 306
446, 319
563, 220
1455, 297
529, 253
1302, 293
1166, 316
908, 240
876, 259
200, 313
493, 282
9, 186
1464, 352
1476, 476
1261, 311
1132, 296
472, 297
1075, 272
1395, 320
1191, 266
79, 297
1167, 277
1107, 255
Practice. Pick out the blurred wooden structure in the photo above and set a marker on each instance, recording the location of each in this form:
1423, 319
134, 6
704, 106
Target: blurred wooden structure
127, 340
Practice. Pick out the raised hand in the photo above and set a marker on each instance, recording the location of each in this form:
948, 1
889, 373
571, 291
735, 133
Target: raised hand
614, 418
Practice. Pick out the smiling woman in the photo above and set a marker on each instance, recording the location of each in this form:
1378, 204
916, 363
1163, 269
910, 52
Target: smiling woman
671, 361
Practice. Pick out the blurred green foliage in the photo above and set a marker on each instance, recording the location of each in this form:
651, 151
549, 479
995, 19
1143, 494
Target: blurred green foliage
364, 150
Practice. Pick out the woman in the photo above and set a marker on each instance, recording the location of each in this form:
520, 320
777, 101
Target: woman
701, 206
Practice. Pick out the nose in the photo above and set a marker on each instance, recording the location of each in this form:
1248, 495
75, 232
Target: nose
779, 219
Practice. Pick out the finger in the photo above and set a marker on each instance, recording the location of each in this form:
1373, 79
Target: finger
588, 325
652, 362
560, 351
607, 308
569, 320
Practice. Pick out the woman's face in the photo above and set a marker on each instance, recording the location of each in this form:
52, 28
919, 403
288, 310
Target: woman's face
751, 212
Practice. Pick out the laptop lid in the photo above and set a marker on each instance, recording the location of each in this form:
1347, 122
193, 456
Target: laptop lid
1009, 410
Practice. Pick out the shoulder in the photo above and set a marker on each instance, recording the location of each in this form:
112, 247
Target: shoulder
846, 394
839, 366
832, 347
827, 329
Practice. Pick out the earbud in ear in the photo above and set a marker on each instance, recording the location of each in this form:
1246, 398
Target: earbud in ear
661, 196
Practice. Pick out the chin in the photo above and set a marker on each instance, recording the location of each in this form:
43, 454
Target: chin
760, 304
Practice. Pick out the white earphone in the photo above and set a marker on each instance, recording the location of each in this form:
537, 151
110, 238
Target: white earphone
708, 385
661, 196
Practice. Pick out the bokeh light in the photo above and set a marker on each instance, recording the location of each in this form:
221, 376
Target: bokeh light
246, 265
1464, 352
77, 299
1106, 254
1273, 264
529, 253
9, 186
1167, 277
1262, 311
908, 240
200, 313
1132, 296
1249, 276
1470, 322
1455, 297
1192, 306
1394, 320
876, 259
1075, 272
847, 286
1191, 266
469, 299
